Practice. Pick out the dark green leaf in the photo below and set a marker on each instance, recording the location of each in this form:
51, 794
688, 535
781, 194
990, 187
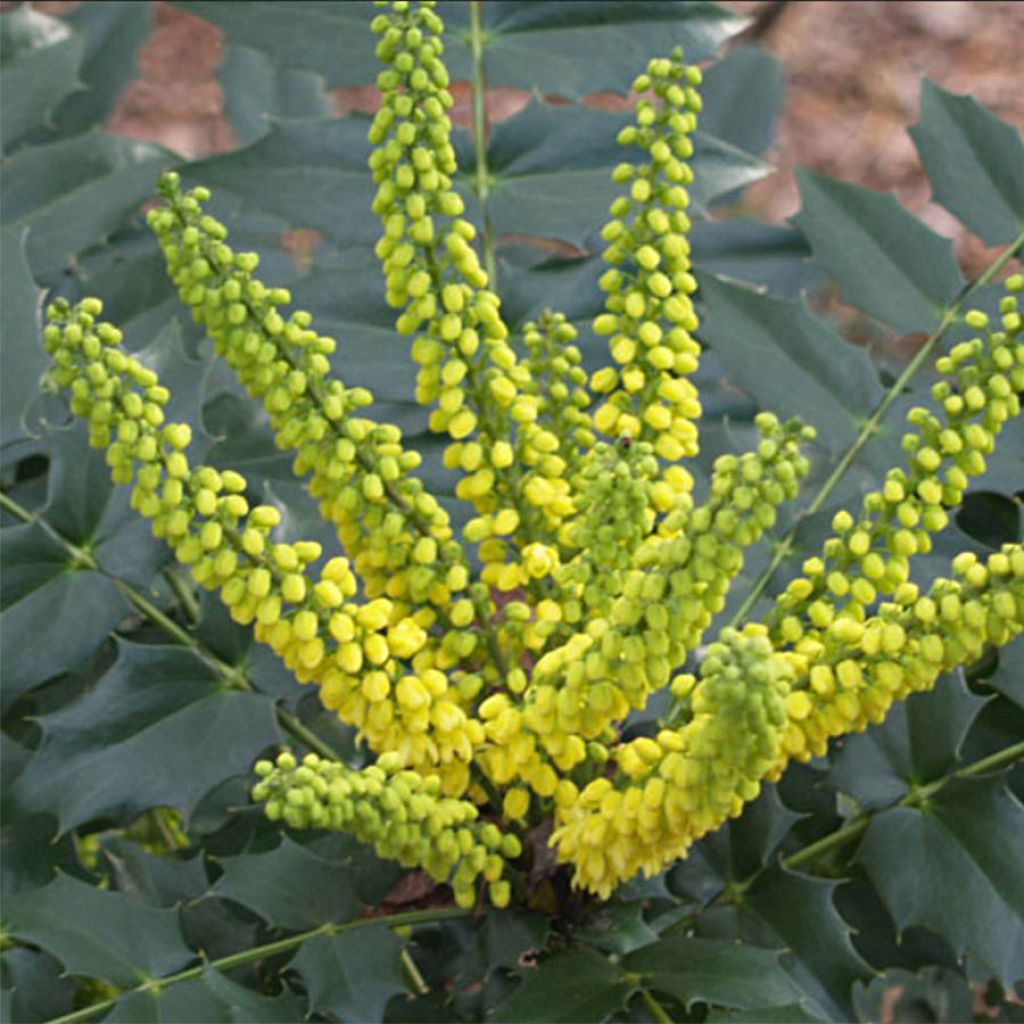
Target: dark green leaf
551, 169
1009, 677
158, 729
22, 358
975, 163
992, 518
619, 927
790, 360
720, 168
98, 934
257, 90
787, 910
158, 881
329, 38
289, 887
876, 938
36, 985
578, 986
742, 95
724, 973
137, 294
884, 260
580, 46
39, 58
763, 254
53, 616
953, 865
738, 851
934, 994
354, 974
211, 998
567, 48
310, 174
113, 32
919, 741
74, 193
791, 1013
496, 939
31, 851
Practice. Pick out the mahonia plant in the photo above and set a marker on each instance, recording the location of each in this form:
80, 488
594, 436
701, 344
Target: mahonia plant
491, 672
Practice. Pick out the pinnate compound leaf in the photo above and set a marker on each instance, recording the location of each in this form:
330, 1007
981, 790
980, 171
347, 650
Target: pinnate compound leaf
211, 998
39, 58
952, 864
975, 163
352, 975
22, 359
290, 887
55, 610
885, 261
918, 742
98, 934
790, 360
158, 729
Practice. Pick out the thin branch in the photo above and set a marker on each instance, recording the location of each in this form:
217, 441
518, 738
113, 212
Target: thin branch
785, 547
226, 963
858, 826
657, 1011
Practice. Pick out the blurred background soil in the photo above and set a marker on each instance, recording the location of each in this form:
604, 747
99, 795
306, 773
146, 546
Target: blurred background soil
853, 70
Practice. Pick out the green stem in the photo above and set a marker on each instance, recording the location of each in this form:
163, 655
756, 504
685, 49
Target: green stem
858, 826
785, 547
657, 1011
233, 676
482, 178
183, 593
413, 978
226, 963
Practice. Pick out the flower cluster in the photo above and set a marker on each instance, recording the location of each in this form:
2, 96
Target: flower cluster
402, 813
479, 391
497, 702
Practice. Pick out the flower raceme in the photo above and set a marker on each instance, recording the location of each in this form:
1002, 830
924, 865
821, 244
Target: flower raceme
496, 703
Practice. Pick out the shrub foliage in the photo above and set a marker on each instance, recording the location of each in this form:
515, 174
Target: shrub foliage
543, 524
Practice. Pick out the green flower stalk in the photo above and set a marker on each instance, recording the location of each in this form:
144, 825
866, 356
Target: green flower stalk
498, 703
